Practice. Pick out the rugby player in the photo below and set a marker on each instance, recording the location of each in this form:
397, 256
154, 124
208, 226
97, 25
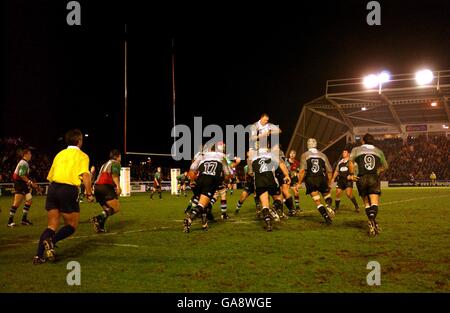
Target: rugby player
209, 167
22, 189
263, 163
107, 190
343, 183
370, 162
316, 170
157, 180
294, 165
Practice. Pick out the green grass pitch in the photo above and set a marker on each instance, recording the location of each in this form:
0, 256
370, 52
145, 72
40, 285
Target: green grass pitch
146, 250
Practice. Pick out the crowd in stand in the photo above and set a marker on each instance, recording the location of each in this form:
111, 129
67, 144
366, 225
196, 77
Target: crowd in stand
416, 158
412, 160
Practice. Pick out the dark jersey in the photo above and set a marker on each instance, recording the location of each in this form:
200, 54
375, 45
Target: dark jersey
264, 168
315, 163
342, 169
369, 159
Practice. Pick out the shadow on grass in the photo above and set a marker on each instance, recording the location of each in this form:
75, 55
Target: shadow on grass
355, 224
81, 248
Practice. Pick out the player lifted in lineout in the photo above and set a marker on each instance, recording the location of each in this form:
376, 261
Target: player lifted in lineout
316, 170
208, 168
107, 190
370, 163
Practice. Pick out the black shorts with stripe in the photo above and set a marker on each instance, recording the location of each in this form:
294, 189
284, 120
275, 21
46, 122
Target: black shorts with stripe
317, 183
369, 184
62, 197
104, 193
21, 187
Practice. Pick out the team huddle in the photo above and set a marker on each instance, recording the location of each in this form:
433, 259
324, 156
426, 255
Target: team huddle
269, 174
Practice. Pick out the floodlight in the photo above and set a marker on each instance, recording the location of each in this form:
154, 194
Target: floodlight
371, 81
424, 77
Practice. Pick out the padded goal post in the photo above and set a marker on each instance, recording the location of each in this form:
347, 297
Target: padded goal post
174, 173
125, 182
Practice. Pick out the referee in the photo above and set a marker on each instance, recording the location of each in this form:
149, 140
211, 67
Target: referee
69, 168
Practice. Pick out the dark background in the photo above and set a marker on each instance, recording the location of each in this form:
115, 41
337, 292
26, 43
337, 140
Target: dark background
233, 61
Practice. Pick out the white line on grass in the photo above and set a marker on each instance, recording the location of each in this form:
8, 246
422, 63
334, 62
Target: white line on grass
116, 244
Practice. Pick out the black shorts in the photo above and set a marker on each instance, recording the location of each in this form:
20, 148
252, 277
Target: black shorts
156, 187
280, 177
62, 197
369, 184
104, 193
21, 187
317, 183
206, 185
274, 190
294, 180
344, 183
249, 186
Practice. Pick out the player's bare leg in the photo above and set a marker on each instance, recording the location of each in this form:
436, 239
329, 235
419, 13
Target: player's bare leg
265, 204
349, 193
278, 207
373, 211
17, 201
242, 198
337, 200
320, 207
223, 204
328, 202
288, 201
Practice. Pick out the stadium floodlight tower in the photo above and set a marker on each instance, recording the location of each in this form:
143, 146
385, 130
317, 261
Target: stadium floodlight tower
382, 104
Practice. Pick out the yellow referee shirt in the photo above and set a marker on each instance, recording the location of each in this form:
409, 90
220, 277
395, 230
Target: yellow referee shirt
68, 165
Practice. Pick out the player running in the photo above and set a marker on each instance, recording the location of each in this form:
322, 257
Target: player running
316, 170
343, 183
370, 163
22, 189
107, 190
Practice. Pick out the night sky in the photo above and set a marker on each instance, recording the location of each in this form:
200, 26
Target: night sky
232, 63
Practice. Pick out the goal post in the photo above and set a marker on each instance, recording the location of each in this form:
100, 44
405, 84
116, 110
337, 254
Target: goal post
125, 182
174, 173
